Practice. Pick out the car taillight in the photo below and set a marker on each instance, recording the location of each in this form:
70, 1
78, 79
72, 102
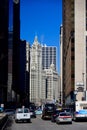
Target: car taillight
65, 117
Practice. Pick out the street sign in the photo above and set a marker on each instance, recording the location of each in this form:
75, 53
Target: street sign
80, 89
79, 84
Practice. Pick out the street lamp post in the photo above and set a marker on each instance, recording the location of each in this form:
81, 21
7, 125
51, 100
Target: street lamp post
84, 98
75, 98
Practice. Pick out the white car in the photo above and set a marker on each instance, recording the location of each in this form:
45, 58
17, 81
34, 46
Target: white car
64, 117
22, 114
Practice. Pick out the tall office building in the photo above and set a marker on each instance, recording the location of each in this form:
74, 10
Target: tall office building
28, 71
3, 50
74, 49
48, 56
9, 38
16, 48
13, 49
61, 64
22, 70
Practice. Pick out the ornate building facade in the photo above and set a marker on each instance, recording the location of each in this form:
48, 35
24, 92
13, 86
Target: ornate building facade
43, 82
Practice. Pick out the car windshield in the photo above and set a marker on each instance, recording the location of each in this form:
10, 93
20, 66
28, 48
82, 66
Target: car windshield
64, 114
9, 110
49, 106
26, 110
21, 110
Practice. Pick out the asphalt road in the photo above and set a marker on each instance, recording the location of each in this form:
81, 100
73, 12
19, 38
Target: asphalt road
39, 124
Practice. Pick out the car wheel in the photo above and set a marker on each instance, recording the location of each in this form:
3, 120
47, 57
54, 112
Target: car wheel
16, 121
71, 122
42, 117
29, 120
58, 122
75, 118
52, 120
34, 116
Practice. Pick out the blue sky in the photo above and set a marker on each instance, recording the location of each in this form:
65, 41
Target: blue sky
42, 18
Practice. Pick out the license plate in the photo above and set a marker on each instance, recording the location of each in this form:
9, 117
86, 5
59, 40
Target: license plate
25, 114
64, 118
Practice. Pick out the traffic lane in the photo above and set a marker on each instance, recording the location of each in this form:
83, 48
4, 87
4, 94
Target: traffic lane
39, 124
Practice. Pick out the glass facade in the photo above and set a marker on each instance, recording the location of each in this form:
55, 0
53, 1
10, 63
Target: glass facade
10, 15
48, 57
10, 36
3, 49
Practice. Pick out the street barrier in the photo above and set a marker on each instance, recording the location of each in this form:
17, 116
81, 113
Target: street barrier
3, 119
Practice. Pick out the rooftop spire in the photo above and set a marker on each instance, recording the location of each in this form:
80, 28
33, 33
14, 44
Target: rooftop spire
36, 39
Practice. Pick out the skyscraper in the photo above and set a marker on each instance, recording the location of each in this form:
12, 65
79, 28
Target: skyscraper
9, 48
74, 48
3, 50
48, 56
16, 47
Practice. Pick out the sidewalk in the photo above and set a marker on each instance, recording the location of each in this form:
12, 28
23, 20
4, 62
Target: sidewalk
3, 119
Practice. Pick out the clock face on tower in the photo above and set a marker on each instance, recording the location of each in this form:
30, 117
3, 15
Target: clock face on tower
16, 1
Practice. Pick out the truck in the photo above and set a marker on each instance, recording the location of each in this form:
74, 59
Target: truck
80, 110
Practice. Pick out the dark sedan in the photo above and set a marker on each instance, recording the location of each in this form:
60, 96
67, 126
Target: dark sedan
55, 114
48, 110
33, 114
9, 112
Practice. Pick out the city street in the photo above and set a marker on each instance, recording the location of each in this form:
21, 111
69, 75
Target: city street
39, 124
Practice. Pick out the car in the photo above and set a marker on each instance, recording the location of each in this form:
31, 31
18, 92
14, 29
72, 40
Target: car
33, 114
22, 114
48, 110
54, 115
9, 112
32, 109
1, 109
38, 111
80, 115
64, 117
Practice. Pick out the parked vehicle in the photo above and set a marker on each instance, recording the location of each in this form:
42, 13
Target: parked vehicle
33, 114
32, 109
22, 114
80, 110
64, 117
38, 111
48, 110
1, 109
9, 112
